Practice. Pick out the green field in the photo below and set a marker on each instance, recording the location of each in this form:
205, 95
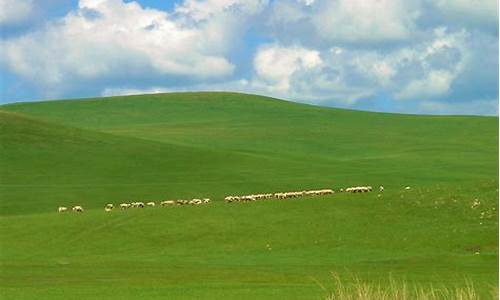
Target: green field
171, 146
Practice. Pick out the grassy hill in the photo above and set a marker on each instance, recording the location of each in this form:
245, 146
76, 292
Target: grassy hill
186, 145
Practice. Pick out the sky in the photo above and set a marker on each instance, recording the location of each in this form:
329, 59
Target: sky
404, 56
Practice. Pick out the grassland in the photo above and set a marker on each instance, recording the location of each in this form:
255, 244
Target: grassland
154, 147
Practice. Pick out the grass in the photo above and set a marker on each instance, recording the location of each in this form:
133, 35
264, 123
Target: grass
168, 146
355, 289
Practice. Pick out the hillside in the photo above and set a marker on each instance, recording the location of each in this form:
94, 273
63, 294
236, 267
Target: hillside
185, 145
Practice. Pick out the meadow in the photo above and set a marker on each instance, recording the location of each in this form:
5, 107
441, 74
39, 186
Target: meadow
91, 152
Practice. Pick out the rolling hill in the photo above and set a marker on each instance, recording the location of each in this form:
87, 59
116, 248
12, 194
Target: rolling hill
185, 145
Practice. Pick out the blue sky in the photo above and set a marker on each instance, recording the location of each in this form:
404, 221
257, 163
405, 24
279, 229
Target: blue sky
431, 57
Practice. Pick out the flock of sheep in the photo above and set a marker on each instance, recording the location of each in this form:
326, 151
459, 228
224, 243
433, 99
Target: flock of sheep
109, 207
253, 197
280, 195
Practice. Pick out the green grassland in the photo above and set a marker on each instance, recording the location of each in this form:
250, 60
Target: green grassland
184, 145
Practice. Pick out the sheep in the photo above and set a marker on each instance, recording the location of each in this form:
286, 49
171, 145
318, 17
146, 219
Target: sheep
206, 200
109, 207
230, 199
327, 191
138, 204
125, 205
77, 208
62, 209
381, 189
407, 188
195, 202
151, 204
167, 203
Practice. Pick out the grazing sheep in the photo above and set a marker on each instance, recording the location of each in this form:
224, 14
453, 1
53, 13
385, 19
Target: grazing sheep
125, 205
206, 200
358, 189
62, 209
230, 199
381, 189
167, 203
77, 208
407, 188
195, 202
108, 207
476, 203
138, 204
151, 204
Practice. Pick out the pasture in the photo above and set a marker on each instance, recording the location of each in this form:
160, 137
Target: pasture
91, 152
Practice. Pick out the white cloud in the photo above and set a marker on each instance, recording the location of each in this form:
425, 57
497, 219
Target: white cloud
276, 65
15, 11
435, 84
111, 38
346, 21
361, 20
423, 71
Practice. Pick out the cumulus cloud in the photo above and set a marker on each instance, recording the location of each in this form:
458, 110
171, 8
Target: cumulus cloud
111, 38
276, 65
422, 71
15, 11
435, 84
344, 21
359, 20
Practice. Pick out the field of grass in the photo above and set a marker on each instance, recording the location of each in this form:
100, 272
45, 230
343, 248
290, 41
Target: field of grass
170, 146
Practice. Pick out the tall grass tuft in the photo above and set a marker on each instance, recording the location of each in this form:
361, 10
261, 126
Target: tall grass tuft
356, 289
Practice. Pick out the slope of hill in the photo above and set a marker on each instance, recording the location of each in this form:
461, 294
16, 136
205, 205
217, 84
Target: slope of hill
186, 145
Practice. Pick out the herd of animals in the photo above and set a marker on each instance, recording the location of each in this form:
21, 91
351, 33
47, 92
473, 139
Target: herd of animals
229, 199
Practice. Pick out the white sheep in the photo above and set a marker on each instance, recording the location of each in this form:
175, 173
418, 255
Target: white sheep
77, 208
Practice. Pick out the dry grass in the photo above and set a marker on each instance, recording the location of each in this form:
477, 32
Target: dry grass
355, 289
